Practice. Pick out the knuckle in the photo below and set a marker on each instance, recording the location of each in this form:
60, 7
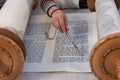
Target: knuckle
53, 21
57, 26
62, 25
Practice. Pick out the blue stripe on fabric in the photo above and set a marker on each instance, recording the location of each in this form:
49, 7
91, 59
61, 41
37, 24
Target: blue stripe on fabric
48, 5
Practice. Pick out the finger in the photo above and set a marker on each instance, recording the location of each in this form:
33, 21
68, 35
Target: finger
56, 24
66, 23
62, 24
59, 28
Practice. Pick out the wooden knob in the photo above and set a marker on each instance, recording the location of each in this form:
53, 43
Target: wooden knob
117, 3
91, 5
103, 58
12, 55
116, 64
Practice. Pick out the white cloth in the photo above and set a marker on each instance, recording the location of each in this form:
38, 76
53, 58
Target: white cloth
14, 16
67, 3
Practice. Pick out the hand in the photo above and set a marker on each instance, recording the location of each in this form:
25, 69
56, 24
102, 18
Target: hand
59, 21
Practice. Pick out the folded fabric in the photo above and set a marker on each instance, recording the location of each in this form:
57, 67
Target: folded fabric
46, 4
2, 3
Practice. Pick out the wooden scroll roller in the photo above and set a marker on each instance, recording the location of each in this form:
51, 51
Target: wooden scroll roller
105, 55
14, 17
105, 58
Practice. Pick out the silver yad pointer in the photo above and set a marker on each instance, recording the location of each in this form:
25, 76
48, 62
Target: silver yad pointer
71, 40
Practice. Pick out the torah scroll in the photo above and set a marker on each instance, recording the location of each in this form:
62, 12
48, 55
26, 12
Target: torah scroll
105, 55
14, 16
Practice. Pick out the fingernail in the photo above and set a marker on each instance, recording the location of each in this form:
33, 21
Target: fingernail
67, 28
65, 33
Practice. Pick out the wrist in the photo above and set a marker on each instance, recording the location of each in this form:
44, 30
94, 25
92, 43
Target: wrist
52, 10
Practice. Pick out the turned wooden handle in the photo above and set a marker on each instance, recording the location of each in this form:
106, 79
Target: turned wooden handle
3, 68
91, 5
117, 67
117, 3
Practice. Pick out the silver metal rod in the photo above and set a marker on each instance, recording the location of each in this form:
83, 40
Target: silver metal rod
71, 40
